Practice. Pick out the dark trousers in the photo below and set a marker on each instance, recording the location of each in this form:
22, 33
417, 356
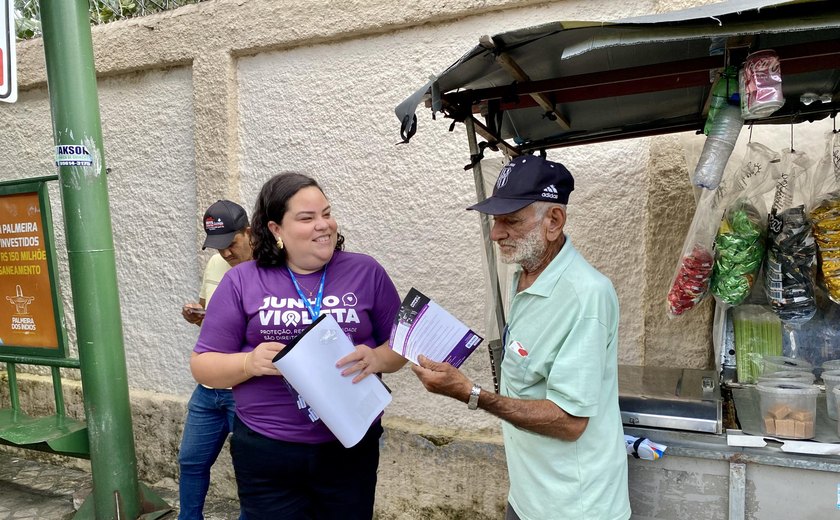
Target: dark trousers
510, 514
280, 480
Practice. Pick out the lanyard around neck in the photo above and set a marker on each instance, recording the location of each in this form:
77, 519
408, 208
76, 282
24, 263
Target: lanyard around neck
314, 310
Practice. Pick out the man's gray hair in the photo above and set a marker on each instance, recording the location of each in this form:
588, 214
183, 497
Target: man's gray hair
541, 207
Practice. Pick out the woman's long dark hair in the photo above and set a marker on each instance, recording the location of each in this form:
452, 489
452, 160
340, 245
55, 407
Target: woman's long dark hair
272, 204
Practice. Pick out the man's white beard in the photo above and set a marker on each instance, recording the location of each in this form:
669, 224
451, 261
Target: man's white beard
527, 251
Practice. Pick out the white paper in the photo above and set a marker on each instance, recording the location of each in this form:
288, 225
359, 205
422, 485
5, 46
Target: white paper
347, 409
424, 327
748, 441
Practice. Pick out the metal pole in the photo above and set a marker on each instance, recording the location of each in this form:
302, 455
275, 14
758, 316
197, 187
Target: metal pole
481, 193
494, 347
71, 78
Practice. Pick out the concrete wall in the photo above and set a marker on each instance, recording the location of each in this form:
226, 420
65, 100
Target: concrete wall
210, 100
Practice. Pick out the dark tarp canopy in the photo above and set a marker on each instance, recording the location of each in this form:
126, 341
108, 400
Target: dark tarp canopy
566, 83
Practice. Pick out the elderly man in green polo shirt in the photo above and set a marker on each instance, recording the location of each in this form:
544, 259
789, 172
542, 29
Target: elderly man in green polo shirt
559, 387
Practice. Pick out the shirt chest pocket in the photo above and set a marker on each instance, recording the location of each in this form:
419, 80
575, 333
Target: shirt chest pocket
517, 372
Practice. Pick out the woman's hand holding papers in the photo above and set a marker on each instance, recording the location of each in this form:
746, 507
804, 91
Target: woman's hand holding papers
365, 361
260, 361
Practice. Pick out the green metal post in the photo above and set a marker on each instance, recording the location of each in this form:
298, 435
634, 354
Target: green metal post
71, 78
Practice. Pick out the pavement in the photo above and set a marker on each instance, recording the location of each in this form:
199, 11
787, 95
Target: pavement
32, 490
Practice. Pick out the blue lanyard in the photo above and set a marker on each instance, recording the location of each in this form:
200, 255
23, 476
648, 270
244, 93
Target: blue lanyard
315, 310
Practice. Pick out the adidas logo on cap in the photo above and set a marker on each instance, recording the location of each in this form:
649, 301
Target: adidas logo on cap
549, 192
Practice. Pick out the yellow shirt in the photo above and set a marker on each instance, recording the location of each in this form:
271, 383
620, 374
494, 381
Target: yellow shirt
213, 273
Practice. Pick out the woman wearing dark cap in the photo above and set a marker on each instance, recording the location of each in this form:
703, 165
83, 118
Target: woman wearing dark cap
288, 464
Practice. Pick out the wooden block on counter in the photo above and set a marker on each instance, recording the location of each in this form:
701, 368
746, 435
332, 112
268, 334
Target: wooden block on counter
802, 415
785, 427
779, 411
769, 425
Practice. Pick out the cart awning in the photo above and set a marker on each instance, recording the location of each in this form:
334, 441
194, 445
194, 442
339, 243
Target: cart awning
566, 83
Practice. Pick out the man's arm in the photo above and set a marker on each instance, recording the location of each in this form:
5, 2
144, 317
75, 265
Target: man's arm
539, 416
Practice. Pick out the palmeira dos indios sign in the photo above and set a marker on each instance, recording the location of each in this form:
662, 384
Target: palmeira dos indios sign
27, 297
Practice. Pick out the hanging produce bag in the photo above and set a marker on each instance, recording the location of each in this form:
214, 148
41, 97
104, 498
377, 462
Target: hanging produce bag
791, 251
758, 334
826, 218
739, 244
690, 283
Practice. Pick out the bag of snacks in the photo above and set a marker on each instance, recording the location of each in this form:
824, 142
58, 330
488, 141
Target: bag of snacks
791, 251
690, 283
739, 244
825, 216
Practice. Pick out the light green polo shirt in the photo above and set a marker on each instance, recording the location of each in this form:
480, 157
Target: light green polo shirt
562, 345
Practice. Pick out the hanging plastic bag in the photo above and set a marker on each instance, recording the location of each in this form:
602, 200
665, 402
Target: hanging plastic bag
690, 283
739, 244
723, 126
791, 251
826, 218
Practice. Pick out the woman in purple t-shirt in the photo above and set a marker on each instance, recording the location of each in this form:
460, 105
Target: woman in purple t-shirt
288, 464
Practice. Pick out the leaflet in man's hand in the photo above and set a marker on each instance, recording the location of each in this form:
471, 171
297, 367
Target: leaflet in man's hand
424, 327
308, 364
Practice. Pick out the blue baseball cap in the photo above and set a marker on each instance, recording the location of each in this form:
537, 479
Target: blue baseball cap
524, 180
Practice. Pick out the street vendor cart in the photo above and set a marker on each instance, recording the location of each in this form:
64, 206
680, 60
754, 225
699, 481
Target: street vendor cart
567, 84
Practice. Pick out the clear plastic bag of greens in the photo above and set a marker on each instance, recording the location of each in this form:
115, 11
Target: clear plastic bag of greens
790, 266
758, 334
739, 243
825, 217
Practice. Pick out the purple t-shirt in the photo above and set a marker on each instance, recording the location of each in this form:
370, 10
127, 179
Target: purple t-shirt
254, 304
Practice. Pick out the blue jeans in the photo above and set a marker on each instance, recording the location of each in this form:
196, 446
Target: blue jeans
210, 414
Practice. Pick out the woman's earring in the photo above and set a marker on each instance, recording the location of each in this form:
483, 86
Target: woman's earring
279, 243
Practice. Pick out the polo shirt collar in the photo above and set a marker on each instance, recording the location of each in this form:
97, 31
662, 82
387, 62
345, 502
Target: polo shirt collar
547, 279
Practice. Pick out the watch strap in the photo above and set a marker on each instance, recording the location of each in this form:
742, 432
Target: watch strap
472, 403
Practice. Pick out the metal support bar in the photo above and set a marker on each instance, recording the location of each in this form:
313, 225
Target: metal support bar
490, 255
483, 131
44, 361
59, 395
74, 104
14, 397
737, 490
506, 62
45, 178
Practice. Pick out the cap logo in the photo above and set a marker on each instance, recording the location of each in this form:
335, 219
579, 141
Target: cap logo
550, 192
212, 225
503, 176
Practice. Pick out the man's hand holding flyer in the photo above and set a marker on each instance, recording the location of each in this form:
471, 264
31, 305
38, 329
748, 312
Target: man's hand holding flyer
425, 328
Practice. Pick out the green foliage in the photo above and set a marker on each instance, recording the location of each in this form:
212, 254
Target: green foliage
28, 12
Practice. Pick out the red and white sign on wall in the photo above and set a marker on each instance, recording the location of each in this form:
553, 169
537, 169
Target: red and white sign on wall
8, 76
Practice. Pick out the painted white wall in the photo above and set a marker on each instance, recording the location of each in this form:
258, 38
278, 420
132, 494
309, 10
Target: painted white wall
147, 126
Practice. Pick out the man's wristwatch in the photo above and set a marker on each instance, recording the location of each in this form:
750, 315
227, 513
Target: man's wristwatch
472, 404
